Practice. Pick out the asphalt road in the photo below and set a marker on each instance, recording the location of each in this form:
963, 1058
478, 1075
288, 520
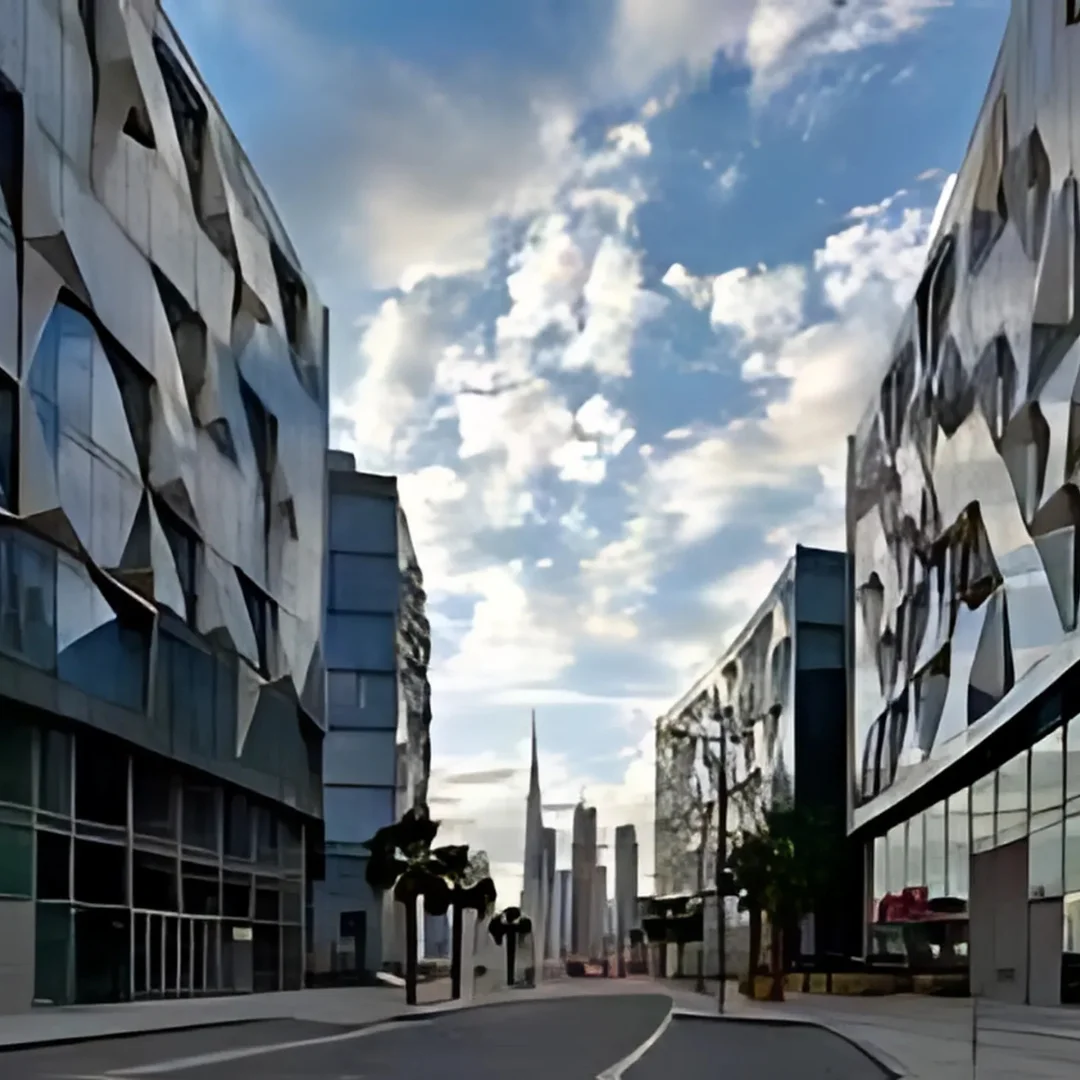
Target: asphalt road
561, 1039
693, 1049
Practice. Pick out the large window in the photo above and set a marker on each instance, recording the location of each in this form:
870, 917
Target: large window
1047, 779
982, 813
935, 850
1012, 800
916, 849
184, 545
1072, 766
959, 845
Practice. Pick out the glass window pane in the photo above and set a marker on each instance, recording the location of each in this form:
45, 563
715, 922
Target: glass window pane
54, 772
935, 850
1012, 800
916, 871
1045, 862
959, 846
1047, 779
897, 840
16, 755
982, 813
16, 860
881, 870
1072, 762
1072, 854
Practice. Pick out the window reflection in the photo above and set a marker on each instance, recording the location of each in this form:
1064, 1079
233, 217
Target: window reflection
1045, 862
958, 869
1072, 854
916, 870
1070, 948
982, 813
1047, 779
897, 842
1012, 800
935, 852
1072, 764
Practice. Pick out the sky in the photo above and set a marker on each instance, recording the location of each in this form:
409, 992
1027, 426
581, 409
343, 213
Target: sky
610, 282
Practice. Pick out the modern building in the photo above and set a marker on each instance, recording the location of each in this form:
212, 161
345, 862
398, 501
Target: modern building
163, 421
626, 883
780, 688
377, 752
583, 882
559, 923
963, 509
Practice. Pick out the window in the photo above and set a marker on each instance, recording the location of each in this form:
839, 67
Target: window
137, 126
935, 850
184, 545
1045, 855
293, 298
958, 868
1047, 779
982, 813
189, 116
1072, 766
8, 444
54, 772
343, 688
1012, 800
11, 152
263, 614
1072, 12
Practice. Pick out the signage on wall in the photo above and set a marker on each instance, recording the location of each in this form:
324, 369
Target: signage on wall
241, 933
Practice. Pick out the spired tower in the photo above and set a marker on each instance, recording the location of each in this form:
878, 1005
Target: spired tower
537, 873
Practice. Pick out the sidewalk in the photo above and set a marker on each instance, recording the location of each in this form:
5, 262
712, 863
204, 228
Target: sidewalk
927, 1038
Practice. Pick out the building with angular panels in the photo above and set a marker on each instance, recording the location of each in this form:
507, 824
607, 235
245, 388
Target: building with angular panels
963, 512
780, 690
162, 430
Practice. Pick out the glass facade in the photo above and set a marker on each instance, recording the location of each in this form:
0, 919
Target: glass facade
145, 881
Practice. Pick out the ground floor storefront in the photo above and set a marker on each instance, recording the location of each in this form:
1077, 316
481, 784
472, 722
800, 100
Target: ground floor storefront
124, 876
987, 879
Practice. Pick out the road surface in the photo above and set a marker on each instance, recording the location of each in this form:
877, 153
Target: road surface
566, 1039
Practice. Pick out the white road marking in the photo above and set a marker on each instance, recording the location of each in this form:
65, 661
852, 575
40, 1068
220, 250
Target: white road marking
218, 1056
615, 1071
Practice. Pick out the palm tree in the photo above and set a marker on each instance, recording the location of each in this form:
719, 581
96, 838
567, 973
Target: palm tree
472, 890
403, 859
513, 926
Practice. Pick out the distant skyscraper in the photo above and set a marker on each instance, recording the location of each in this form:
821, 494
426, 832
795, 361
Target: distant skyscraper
626, 885
599, 911
583, 872
538, 869
565, 889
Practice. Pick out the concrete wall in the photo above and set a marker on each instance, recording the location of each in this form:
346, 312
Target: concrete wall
999, 923
16, 955
344, 889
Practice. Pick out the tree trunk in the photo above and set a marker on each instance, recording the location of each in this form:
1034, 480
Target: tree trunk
455, 947
411, 949
755, 950
511, 955
776, 993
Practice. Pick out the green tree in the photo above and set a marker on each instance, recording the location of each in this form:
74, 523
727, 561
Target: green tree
402, 859
782, 869
510, 925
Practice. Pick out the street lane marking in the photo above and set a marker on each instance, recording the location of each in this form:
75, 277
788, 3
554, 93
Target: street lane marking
615, 1071
216, 1057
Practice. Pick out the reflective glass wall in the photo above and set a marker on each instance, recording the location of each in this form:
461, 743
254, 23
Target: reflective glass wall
144, 881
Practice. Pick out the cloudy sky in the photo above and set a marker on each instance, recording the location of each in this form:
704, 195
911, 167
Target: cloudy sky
610, 281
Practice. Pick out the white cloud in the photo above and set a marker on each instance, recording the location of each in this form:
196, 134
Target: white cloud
760, 305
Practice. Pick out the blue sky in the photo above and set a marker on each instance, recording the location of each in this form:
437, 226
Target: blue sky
610, 281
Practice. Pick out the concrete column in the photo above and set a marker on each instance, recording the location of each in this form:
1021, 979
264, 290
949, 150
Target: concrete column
1045, 921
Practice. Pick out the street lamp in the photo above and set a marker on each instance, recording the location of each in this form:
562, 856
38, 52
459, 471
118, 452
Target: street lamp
722, 716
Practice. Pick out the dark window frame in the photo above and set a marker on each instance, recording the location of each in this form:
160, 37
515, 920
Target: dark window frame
190, 117
186, 547
9, 444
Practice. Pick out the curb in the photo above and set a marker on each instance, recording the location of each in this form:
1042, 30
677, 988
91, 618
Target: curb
892, 1069
102, 1036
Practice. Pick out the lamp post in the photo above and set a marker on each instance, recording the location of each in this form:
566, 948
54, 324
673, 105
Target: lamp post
722, 717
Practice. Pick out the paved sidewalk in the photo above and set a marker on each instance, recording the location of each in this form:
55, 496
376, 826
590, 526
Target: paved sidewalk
929, 1038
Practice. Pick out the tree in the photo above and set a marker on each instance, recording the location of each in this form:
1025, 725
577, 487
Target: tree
478, 869
781, 868
512, 926
403, 859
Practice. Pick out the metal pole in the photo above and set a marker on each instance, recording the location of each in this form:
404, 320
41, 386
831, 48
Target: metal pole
721, 864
